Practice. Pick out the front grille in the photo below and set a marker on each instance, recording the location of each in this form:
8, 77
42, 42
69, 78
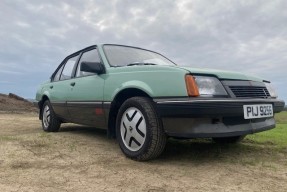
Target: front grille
250, 91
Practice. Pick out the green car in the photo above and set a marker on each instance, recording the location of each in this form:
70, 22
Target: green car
142, 98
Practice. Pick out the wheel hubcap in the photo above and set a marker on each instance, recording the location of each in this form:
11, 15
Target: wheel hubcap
133, 129
46, 116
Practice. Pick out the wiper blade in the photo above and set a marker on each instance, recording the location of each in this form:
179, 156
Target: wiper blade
140, 63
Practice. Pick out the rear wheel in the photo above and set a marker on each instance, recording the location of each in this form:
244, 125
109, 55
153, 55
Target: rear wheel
139, 130
50, 121
235, 139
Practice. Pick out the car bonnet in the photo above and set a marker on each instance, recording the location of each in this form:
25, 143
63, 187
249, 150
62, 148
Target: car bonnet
221, 74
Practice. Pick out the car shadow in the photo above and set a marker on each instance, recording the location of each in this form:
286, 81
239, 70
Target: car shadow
190, 150
80, 129
201, 151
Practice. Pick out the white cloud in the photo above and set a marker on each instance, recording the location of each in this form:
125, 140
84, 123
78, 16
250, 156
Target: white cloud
22, 24
246, 35
10, 72
5, 82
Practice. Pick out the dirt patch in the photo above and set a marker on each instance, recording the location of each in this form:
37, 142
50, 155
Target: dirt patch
82, 159
15, 104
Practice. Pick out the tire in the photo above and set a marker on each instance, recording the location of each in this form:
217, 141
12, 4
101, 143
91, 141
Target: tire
139, 131
226, 140
50, 122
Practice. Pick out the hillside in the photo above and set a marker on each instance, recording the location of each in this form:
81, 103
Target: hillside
15, 104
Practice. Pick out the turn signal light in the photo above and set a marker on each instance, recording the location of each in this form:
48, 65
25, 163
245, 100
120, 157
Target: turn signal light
191, 87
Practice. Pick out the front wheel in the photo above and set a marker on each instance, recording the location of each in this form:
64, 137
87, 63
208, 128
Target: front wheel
50, 122
139, 130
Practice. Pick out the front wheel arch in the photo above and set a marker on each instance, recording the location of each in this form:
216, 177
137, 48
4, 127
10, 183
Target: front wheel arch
119, 99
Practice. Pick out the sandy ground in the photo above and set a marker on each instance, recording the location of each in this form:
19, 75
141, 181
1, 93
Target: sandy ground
83, 159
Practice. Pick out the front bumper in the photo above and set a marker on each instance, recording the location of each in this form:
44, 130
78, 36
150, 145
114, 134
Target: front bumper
190, 118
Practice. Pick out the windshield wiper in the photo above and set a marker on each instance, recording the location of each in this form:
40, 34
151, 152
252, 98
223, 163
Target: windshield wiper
140, 63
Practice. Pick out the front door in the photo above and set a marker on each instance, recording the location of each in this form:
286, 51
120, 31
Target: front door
85, 99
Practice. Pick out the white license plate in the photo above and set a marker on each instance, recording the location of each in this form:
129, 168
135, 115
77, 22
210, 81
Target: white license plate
257, 111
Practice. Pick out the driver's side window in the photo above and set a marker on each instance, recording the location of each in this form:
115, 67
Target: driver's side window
88, 56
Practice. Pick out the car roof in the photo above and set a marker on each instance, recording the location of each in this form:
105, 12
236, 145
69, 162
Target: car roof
101, 45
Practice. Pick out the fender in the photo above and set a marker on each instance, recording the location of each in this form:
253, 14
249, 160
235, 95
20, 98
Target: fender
133, 84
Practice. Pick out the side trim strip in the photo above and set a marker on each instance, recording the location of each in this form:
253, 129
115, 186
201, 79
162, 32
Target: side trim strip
58, 103
84, 102
107, 105
216, 100
98, 104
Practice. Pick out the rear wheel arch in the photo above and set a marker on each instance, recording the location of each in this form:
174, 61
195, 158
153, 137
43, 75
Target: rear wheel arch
50, 122
41, 102
118, 100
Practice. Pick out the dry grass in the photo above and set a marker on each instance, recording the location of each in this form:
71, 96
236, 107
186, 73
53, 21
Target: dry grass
82, 159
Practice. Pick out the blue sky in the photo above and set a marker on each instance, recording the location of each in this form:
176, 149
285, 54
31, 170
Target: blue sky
247, 36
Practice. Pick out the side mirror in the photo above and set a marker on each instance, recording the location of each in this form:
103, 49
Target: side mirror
92, 67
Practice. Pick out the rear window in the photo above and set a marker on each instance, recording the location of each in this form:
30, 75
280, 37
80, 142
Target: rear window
58, 74
69, 68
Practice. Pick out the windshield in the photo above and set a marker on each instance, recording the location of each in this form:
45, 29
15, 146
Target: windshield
118, 55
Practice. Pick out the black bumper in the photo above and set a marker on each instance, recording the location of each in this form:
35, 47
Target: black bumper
193, 118
210, 107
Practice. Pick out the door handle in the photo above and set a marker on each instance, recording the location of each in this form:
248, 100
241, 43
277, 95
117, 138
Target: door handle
73, 84
51, 87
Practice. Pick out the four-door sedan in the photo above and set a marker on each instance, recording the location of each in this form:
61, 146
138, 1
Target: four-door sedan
142, 97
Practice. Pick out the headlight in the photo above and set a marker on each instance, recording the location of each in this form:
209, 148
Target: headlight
271, 90
209, 86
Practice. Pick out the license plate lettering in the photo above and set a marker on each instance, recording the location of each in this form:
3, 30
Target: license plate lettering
257, 111
266, 110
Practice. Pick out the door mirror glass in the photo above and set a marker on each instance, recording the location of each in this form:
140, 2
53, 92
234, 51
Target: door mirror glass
92, 67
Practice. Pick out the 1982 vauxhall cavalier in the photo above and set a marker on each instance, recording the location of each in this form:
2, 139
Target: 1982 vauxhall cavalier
141, 98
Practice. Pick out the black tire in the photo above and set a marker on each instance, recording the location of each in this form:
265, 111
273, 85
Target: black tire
227, 140
144, 115
50, 123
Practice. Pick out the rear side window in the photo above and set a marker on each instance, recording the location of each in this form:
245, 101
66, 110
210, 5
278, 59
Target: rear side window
58, 74
89, 56
69, 68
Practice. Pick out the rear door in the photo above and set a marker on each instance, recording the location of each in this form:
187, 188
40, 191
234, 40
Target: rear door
85, 97
60, 86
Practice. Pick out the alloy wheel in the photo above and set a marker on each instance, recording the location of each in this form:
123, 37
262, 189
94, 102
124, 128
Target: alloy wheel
46, 116
133, 129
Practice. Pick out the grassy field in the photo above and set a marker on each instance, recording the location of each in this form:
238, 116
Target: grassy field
83, 159
266, 149
276, 137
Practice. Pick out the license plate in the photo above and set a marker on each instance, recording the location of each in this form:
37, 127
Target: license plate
257, 111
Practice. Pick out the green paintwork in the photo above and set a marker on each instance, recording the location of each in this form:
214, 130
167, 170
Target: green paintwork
156, 81
221, 74
93, 85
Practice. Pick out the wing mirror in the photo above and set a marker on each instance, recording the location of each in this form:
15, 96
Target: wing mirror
92, 67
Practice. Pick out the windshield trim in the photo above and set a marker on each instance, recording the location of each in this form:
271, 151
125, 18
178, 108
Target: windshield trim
131, 47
